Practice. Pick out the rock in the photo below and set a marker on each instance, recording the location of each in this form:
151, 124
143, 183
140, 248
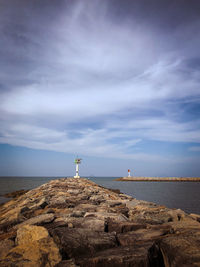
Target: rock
195, 216
16, 194
94, 224
97, 198
38, 204
87, 225
10, 217
74, 191
119, 257
150, 215
5, 246
80, 222
77, 213
34, 248
181, 249
113, 203
122, 227
67, 263
87, 207
75, 242
140, 235
28, 234
38, 220
106, 215
184, 225
57, 200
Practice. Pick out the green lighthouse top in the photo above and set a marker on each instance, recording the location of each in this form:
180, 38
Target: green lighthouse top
77, 161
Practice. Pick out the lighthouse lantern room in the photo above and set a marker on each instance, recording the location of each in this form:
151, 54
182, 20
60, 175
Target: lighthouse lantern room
77, 161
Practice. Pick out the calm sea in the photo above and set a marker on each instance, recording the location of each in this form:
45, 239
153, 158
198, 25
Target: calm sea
183, 195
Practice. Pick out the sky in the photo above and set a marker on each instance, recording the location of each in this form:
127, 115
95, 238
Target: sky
115, 82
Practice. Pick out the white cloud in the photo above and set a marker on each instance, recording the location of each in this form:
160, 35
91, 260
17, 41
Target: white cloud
90, 69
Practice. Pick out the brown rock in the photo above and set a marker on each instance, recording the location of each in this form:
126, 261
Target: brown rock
34, 248
141, 235
93, 226
16, 193
150, 215
75, 242
195, 216
107, 215
5, 246
181, 249
121, 227
67, 263
38, 220
120, 257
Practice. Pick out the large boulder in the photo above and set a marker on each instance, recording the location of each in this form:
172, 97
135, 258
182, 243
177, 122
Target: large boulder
181, 249
34, 248
137, 256
76, 242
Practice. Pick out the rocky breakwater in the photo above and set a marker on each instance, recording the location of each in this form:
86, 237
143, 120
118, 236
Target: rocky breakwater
75, 222
159, 179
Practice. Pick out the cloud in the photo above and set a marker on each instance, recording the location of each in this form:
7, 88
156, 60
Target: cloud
85, 82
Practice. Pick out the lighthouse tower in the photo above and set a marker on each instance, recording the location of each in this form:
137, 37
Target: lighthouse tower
77, 162
129, 173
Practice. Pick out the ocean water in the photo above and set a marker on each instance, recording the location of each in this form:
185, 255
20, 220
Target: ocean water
183, 195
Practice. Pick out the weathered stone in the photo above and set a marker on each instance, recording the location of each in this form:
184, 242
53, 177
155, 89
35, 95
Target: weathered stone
106, 215
141, 235
184, 225
80, 222
5, 246
16, 193
67, 263
195, 216
181, 249
150, 215
92, 226
97, 198
34, 248
87, 207
74, 191
120, 257
122, 227
40, 204
113, 203
38, 220
11, 216
75, 242
77, 213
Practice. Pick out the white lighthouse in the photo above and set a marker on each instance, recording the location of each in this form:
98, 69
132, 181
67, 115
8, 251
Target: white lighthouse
77, 162
129, 173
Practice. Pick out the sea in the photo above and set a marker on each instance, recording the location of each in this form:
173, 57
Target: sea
180, 195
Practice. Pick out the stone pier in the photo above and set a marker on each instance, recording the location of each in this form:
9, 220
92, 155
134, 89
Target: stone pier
75, 222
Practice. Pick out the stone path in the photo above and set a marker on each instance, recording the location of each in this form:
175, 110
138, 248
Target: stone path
74, 222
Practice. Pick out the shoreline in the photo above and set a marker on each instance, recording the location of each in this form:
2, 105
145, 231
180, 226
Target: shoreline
75, 222
158, 179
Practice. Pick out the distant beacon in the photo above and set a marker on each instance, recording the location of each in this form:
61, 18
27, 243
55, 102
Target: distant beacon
77, 161
129, 173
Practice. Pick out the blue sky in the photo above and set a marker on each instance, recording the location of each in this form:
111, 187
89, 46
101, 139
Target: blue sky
116, 82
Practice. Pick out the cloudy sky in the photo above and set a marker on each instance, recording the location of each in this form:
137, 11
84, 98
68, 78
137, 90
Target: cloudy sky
116, 82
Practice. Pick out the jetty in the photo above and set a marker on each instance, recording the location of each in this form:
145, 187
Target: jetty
73, 222
159, 179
